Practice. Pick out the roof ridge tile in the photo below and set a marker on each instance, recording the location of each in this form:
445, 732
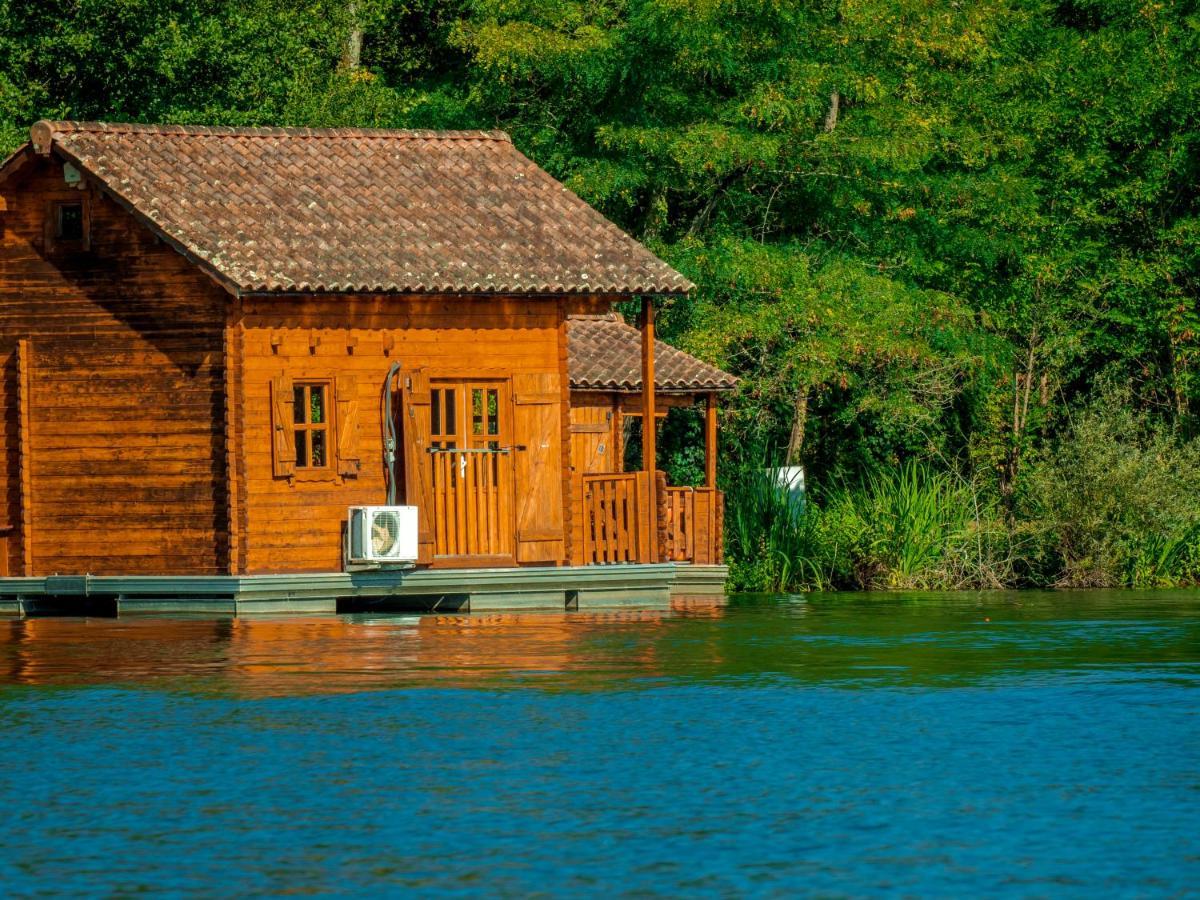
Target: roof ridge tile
54, 127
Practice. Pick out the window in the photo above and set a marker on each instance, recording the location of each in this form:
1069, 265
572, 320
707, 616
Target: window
485, 417
468, 415
443, 418
68, 224
310, 412
314, 427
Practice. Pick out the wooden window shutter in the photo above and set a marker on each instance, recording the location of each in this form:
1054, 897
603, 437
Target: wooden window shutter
283, 438
415, 438
537, 427
345, 394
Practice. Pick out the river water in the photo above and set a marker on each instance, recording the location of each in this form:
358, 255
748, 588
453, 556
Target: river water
1020, 744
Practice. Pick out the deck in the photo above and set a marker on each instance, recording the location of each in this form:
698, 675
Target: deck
414, 590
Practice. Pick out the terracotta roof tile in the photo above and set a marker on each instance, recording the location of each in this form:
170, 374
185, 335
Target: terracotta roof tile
605, 354
299, 209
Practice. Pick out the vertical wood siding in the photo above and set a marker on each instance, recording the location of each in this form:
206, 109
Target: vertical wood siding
126, 404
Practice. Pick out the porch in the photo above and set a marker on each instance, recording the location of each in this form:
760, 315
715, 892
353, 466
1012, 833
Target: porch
623, 376
482, 453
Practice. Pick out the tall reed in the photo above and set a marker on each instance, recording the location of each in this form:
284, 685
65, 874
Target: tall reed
909, 528
913, 525
772, 538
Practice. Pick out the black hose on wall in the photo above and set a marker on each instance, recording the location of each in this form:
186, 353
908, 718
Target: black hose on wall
390, 438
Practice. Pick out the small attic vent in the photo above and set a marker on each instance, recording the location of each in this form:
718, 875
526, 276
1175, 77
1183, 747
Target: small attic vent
68, 226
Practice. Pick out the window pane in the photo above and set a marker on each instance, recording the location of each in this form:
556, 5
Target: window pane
451, 427
493, 408
70, 222
298, 405
318, 448
476, 411
301, 449
435, 412
317, 405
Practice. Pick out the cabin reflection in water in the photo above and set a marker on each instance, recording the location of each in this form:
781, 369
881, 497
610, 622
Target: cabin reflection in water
261, 656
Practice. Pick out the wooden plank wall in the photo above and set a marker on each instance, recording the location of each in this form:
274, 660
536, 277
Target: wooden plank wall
295, 525
595, 433
125, 412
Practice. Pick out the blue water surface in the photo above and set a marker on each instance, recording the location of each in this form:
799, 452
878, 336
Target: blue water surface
1024, 745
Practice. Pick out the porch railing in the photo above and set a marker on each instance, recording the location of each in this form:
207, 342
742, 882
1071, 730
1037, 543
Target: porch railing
614, 519
694, 525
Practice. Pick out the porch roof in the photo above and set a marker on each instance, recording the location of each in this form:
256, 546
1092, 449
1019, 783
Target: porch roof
605, 354
283, 210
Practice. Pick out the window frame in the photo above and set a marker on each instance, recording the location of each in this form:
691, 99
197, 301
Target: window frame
462, 435
53, 226
328, 469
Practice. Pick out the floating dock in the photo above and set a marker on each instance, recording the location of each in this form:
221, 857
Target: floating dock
651, 586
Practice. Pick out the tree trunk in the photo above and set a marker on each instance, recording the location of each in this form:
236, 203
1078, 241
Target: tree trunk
352, 54
799, 423
831, 117
1177, 393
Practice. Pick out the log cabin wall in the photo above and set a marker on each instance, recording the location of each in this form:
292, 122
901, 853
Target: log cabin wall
293, 521
113, 459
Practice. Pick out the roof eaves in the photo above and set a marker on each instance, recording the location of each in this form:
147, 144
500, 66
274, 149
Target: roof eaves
449, 290
15, 160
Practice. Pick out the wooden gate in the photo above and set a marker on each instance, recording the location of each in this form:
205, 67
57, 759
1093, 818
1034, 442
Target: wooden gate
470, 464
615, 523
694, 525
472, 507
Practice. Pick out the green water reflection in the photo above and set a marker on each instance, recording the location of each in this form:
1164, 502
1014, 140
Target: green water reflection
841, 639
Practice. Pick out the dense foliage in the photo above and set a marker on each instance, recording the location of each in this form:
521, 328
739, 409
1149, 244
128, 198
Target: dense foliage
920, 231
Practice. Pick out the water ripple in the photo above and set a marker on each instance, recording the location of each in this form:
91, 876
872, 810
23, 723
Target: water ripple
836, 746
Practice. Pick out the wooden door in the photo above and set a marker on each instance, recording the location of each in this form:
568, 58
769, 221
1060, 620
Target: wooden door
471, 472
537, 409
592, 445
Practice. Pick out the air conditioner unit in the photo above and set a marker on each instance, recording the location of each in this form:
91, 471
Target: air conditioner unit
382, 534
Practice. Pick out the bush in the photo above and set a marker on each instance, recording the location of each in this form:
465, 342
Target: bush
915, 528
1114, 501
1117, 500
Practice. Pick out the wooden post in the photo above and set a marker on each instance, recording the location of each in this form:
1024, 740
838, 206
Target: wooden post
649, 432
24, 438
710, 441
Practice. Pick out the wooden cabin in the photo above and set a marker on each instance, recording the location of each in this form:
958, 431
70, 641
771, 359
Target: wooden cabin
209, 335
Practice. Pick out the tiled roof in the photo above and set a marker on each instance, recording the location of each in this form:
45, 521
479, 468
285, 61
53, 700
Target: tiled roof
288, 209
605, 354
